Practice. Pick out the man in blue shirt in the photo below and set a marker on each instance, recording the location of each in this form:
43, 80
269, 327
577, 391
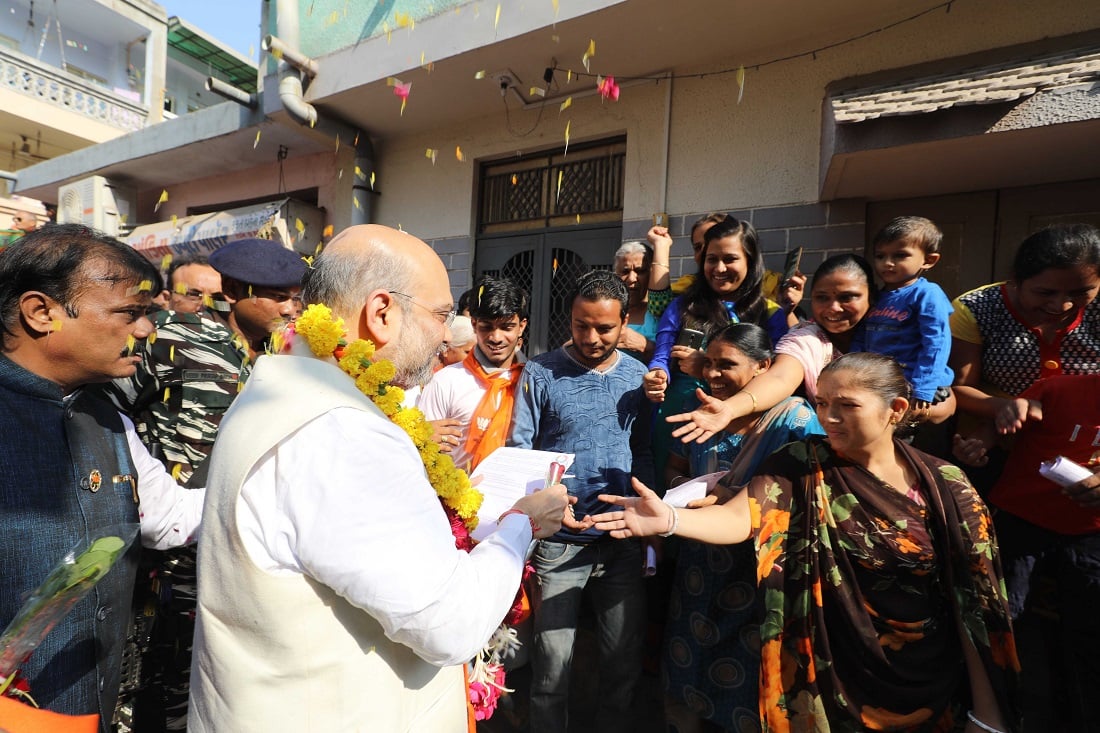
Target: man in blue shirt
586, 398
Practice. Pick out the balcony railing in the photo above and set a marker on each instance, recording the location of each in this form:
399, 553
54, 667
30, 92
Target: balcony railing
27, 76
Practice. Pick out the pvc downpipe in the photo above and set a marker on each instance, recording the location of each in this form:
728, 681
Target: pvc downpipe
230, 92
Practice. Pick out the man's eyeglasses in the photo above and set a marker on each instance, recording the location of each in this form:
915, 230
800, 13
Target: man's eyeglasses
443, 316
199, 295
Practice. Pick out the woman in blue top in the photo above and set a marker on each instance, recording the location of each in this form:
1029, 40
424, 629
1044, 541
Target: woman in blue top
727, 289
711, 665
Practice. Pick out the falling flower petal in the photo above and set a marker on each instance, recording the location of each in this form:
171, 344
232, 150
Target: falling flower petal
568, 75
333, 18
740, 83
372, 180
359, 173
257, 140
565, 105
480, 74
537, 92
459, 155
589, 54
515, 179
404, 20
356, 141
327, 231
301, 227
165, 261
567, 124
178, 468
337, 144
496, 20
356, 202
608, 88
308, 261
56, 324
175, 219
555, 4
561, 173
131, 343
277, 53
151, 338
431, 154
163, 199
180, 288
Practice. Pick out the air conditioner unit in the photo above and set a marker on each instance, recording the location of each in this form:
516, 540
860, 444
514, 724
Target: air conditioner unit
97, 203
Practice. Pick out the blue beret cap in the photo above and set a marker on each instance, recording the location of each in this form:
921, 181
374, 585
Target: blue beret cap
259, 262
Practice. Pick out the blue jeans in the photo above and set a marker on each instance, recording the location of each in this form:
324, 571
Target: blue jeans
612, 571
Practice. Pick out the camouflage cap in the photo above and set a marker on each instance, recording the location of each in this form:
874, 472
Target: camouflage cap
259, 262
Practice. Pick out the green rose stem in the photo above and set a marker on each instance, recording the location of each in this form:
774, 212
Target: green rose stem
68, 582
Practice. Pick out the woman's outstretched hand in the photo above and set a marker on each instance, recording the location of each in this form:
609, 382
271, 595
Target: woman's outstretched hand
641, 516
712, 416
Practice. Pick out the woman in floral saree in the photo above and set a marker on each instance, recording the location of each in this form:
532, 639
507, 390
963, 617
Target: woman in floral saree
883, 602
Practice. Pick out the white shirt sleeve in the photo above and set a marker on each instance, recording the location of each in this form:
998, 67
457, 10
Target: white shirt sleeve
170, 514
345, 500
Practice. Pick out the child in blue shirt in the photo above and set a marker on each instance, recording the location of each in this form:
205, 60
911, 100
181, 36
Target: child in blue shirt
910, 320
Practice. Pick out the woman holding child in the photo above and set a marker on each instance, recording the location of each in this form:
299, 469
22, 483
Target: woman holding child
711, 660
883, 607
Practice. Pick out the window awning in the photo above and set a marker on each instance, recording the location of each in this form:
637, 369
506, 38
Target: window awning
234, 68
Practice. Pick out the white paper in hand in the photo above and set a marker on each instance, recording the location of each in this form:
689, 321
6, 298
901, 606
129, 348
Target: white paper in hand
507, 474
689, 491
1063, 471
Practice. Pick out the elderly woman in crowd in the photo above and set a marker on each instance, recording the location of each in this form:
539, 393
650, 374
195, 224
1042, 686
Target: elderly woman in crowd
632, 263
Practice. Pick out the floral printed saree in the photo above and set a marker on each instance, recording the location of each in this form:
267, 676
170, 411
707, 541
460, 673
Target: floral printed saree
863, 587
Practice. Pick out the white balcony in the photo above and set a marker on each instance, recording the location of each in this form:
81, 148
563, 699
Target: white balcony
24, 75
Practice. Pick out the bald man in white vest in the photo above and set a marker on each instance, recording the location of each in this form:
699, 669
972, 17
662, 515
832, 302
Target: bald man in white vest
331, 594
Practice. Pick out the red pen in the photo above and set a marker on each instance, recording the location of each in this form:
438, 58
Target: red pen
554, 473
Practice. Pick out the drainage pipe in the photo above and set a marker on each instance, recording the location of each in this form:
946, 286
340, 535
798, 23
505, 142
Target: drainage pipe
230, 92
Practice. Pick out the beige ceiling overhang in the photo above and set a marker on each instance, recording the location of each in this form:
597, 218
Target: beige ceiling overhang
1014, 117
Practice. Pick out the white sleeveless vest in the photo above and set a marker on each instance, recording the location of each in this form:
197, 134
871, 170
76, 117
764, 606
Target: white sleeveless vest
276, 653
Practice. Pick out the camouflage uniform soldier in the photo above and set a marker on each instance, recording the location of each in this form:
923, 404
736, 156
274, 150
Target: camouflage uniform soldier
189, 375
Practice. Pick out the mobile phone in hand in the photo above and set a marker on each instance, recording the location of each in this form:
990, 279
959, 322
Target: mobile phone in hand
790, 265
691, 338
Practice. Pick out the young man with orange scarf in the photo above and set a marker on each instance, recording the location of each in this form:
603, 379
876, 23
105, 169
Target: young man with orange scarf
471, 401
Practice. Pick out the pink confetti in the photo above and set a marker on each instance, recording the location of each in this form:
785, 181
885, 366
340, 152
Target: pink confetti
608, 88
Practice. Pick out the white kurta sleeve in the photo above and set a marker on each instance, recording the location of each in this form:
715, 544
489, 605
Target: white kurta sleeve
345, 500
170, 514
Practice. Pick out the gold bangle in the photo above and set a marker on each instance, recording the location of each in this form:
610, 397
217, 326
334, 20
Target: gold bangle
661, 264
751, 397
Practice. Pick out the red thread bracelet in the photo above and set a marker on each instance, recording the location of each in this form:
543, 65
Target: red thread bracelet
535, 528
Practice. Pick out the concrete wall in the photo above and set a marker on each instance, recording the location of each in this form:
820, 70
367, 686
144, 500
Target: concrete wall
314, 171
759, 157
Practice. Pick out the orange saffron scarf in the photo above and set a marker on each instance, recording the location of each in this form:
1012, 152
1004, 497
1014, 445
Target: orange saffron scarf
493, 416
